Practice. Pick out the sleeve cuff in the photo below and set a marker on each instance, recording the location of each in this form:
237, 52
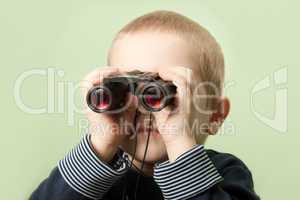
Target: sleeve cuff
190, 174
86, 173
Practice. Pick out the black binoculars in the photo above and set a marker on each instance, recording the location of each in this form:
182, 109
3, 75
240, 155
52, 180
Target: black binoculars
152, 92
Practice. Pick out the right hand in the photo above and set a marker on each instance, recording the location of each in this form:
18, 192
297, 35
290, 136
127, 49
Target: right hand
107, 131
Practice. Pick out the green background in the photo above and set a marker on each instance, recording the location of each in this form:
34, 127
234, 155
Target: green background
257, 37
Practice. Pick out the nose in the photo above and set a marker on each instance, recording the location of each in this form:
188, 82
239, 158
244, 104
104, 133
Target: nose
132, 101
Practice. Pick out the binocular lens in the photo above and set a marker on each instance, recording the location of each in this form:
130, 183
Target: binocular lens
153, 101
100, 99
153, 98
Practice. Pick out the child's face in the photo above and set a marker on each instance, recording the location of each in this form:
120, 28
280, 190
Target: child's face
147, 51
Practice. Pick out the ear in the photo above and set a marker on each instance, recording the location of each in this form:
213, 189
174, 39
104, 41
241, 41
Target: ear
219, 115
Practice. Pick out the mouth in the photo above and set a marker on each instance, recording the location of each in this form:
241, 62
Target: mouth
146, 130
145, 124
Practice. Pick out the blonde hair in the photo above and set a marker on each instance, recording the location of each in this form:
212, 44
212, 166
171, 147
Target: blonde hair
208, 54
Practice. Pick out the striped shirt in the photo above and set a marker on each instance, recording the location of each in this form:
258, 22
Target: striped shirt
190, 174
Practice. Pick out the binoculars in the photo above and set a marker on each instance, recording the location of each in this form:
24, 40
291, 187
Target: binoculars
152, 92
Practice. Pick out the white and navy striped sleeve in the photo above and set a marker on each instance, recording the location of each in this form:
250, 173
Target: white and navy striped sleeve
86, 173
192, 173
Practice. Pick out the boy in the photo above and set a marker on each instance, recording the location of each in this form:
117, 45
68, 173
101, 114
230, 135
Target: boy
165, 160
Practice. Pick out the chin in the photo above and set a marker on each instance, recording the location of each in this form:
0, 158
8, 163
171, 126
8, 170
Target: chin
156, 149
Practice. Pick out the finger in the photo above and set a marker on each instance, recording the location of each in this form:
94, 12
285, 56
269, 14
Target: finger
185, 73
95, 77
180, 76
171, 75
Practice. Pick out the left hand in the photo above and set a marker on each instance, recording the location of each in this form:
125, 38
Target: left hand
173, 122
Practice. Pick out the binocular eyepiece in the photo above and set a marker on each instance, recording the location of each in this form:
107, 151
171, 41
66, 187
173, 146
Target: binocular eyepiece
110, 96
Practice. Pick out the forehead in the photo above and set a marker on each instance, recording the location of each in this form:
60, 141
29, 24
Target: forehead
147, 51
